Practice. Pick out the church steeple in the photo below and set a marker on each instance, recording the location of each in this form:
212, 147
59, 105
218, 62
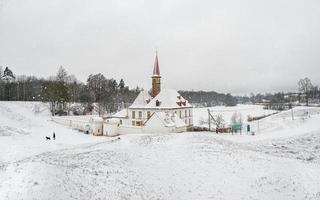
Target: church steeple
156, 78
156, 68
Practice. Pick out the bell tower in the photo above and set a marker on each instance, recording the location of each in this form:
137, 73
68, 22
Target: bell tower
156, 78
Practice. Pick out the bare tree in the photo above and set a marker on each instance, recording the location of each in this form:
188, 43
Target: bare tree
305, 86
218, 121
62, 75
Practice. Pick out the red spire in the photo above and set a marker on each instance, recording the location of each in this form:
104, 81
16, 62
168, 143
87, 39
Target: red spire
156, 68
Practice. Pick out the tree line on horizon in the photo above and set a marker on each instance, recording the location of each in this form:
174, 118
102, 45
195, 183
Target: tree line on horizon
63, 88
108, 95
209, 98
307, 94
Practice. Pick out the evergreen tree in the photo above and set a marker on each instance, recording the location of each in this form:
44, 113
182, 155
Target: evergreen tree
230, 100
121, 85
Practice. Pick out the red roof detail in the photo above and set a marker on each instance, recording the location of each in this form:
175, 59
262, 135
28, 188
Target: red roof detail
158, 102
156, 68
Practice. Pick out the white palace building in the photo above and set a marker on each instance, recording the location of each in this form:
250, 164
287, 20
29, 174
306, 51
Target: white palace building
156, 111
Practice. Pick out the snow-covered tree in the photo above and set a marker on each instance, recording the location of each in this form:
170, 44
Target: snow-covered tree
237, 118
218, 121
8, 75
62, 75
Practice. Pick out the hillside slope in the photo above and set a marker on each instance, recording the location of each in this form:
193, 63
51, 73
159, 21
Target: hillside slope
160, 166
23, 127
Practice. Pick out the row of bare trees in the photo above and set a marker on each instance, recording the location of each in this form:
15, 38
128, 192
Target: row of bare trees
63, 89
306, 92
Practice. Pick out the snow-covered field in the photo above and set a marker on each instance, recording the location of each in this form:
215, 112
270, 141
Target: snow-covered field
201, 114
282, 161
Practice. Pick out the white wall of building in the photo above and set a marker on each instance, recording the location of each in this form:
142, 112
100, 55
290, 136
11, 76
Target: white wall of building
186, 114
155, 125
113, 127
92, 124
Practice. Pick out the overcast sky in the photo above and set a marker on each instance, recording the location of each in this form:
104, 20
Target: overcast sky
237, 46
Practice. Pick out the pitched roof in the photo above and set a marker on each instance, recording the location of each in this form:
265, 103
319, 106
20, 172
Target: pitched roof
121, 114
166, 99
141, 100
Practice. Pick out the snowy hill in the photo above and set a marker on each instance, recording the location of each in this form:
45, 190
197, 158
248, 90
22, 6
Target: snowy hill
306, 120
281, 162
24, 126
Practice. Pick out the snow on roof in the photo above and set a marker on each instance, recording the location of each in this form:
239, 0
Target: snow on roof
121, 114
169, 119
141, 100
166, 99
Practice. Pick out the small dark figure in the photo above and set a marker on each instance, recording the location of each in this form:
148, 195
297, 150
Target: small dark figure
47, 138
54, 136
248, 128
118, 138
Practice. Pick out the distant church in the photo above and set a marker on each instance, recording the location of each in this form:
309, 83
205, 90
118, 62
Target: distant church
156, 111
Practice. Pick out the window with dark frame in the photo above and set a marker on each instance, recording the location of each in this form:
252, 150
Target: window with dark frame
133, 114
